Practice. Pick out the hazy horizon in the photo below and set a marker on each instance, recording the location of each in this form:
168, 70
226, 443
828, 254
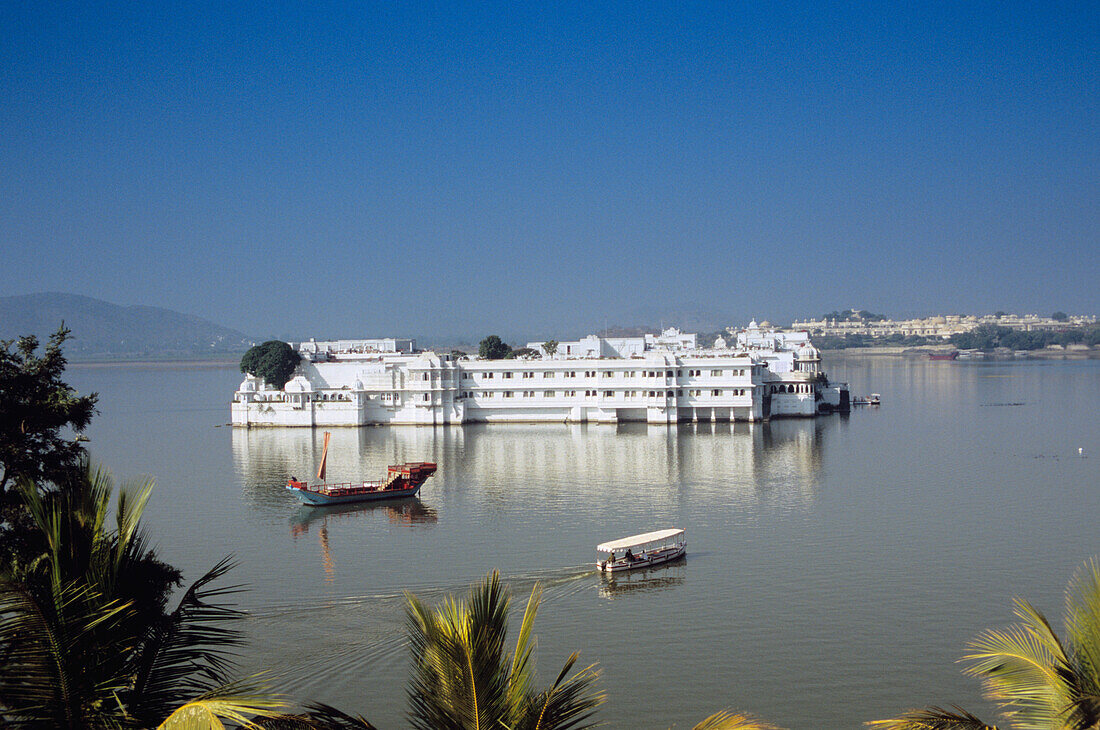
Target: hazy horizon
545, 171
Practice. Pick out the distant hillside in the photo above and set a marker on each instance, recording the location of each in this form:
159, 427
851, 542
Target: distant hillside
104, 330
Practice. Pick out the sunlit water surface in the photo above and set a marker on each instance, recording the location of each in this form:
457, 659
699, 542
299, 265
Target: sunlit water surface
836, 566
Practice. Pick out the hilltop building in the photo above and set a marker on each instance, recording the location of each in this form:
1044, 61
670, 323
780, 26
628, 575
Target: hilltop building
941, 326
657, 379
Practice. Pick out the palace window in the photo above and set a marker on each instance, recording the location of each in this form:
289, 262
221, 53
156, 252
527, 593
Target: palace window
609, 394
716, 392
548, 394
548, 374
508, 394
716, 373
608, 374
506, 375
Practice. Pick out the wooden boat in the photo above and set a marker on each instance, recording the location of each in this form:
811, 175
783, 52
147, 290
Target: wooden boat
402, 480
867, 400
951, 355
642, 551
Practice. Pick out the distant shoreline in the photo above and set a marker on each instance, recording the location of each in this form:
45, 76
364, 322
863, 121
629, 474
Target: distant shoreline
208, 363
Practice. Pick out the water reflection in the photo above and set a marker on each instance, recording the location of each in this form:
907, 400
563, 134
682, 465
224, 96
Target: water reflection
659, 578
780, 460
409, 511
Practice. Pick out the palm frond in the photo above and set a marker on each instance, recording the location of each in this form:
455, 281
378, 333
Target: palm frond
727, 720
55, 670
568, 703
1019, 669
1083, 636
521, 674
189, 652
318, 716
242, 703
933, 718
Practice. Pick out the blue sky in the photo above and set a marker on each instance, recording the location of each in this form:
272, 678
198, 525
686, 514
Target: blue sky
543, 169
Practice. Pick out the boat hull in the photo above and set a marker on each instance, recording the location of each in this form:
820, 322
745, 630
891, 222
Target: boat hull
317, 499
651, 559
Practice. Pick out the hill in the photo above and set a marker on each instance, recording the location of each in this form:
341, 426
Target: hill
104, 330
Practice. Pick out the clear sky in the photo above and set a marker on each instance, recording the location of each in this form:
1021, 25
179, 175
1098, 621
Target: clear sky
354, 169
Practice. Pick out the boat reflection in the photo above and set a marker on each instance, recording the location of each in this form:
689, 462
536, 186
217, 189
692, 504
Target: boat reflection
778, 462
619, 585
409, 511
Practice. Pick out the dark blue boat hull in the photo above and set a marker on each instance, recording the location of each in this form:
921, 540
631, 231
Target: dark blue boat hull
316, 499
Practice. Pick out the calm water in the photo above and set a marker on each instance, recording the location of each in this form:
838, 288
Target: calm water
836, 567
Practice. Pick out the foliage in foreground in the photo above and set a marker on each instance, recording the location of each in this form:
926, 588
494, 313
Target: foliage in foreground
37, 408
463, 678
1039, 680
86, 640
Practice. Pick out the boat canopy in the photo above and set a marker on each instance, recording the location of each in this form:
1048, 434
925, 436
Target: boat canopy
645, 540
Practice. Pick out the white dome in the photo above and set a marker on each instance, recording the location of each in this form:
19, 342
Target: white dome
808, 352
248, 386
298, 384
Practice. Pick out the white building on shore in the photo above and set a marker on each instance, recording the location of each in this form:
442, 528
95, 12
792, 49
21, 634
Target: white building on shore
659, 379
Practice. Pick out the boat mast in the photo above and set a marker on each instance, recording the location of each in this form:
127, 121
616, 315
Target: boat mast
324, 458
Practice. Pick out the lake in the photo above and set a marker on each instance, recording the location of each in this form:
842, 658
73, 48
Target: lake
836, 567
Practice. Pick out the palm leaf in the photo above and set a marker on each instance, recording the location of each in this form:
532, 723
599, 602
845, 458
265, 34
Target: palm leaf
241, 703
55, 670
318, 716
189, 652
521, 675
933, 718
1019, 669
568, 703
727, 720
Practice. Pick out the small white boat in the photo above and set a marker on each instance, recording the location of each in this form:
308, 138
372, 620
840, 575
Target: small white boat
641, 551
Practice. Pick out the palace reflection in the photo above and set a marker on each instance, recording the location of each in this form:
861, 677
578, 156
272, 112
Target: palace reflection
778, 460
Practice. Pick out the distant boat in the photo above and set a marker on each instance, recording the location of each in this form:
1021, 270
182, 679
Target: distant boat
867, 400
402, 480
943, 355
642, 551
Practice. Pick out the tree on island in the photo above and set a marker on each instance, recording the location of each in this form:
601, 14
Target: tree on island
1060, 317
493, 348
274, 361
550, 347
525, 352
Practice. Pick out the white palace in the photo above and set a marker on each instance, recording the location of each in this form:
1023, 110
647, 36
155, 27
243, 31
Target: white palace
658, 379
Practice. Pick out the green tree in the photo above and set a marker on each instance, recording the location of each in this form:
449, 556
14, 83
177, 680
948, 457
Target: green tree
274, 361
550, 347
463, 679
36, 408
1060, 317
86, 638
1039, 680
493, 348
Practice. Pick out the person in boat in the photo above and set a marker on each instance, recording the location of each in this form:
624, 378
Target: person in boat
629, 555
